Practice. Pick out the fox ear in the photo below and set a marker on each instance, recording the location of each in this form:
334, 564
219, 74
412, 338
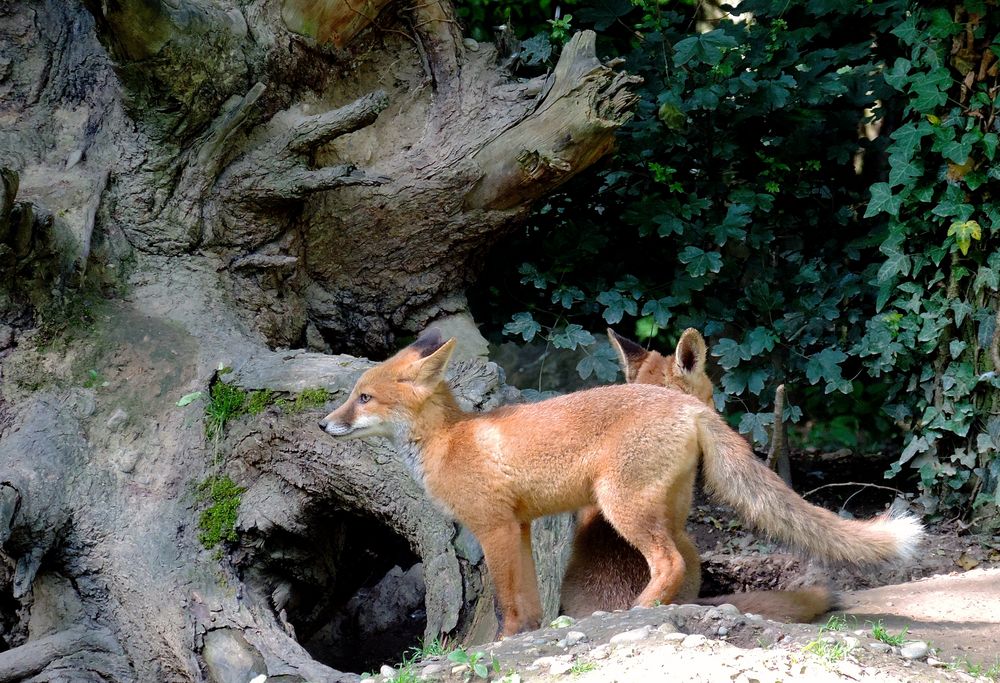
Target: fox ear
690, 353
630, 354
430, 369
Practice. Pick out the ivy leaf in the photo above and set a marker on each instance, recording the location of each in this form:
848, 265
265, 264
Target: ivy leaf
188, 398
706, 48
602, 362
896, 76
917, 444
760, 339
737, 216
660, 310
825, 365
908, 137
571, 336
986, 277
908, 31
700, 261
898, 263
523, 324
964, 233
904, 171
956, 347
616, 305
567, 296
930, 89
536, 50
755, 424
882, 200
990, 141
730, 353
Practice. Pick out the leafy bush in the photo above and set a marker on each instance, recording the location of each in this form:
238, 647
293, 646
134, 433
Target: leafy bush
812, 186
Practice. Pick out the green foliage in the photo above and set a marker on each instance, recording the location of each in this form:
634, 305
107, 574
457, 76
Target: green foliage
831, 652
227, 402
218, 522
860, 272
307, 399
479, 663
258, 401
879, 632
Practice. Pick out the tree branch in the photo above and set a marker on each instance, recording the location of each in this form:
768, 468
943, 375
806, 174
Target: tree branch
571, 128
26, 660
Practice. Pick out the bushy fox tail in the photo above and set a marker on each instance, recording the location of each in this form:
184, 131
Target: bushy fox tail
736, 477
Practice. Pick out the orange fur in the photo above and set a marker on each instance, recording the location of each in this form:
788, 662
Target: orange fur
630, 449
606, 573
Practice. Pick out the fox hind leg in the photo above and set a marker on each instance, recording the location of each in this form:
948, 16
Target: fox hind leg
692, 568
644, 521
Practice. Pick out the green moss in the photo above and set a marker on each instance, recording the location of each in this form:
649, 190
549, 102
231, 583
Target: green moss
308, 398
227, 402
259, 401
218, 522
311, 398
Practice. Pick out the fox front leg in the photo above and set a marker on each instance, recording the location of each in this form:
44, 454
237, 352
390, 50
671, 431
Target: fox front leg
517, 594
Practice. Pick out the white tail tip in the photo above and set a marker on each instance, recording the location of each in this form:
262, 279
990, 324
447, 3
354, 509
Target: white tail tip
908, 532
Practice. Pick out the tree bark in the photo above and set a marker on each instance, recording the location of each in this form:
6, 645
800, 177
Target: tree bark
208, 192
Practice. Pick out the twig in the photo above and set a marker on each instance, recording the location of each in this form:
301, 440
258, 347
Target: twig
851, 483
995, 343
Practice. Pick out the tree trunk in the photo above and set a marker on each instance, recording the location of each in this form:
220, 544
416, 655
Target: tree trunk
211, 193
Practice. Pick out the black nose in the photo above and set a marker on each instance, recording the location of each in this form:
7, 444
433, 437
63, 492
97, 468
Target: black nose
322, 425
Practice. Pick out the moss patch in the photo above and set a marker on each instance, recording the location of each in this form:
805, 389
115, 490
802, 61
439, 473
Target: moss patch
218, 522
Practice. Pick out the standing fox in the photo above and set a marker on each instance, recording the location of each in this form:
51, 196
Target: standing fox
631, 449
605, 572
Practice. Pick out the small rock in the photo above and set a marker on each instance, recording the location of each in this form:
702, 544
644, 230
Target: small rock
730, 610
713, 613
559, 668
936, 662
598, 613
879, 647
432, 672
693, 640
860, 632
6, 337
387, 672
914, 649
851, 670
667, 627
471, 44
722, 631
117, 418
632, 636
677, 635
851, 642
600, 652
460, 669
574, 637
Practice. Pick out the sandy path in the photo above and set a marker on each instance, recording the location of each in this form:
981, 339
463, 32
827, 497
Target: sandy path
957, 613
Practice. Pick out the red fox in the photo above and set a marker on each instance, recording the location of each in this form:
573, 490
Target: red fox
606, 573
631, 449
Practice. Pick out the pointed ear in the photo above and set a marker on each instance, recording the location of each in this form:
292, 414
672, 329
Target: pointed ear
427, 342
690, 353
430, 369
630, 354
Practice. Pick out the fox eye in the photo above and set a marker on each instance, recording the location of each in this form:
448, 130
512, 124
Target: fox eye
364, 398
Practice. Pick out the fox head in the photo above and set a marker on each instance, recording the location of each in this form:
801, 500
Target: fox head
388, 394
685, 370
